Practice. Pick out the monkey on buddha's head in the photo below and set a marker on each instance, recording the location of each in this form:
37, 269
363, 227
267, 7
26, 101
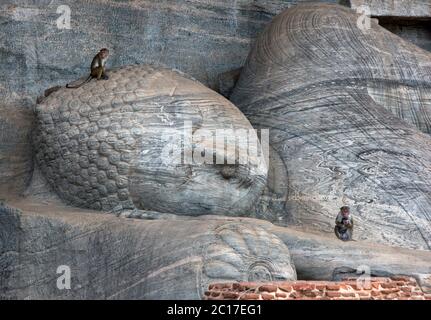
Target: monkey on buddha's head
97, 68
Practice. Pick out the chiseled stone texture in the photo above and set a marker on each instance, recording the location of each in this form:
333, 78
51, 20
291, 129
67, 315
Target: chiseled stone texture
327, 90
119, 258
108, 144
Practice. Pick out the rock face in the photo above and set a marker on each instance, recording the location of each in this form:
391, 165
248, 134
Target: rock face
117, 258
16, 151
173, 258
348, 110
395, 8
137, 140
335, 126
409, 19
322, 257
200, 37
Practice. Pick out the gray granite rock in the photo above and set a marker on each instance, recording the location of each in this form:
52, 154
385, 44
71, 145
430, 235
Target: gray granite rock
200, 37
395, 8
135, 140
119, 258
333, 97
320, 257
16, 151
409, 19
327, 89
122, 258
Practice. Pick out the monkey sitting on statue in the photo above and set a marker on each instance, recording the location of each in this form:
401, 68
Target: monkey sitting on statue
97, 68
344, 224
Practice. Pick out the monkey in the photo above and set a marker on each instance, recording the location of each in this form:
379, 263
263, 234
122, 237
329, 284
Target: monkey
344, 224
97, 68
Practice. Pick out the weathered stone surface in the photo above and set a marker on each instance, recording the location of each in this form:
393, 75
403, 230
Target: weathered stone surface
109, 144
409, 19
174, 257
118, 258
16, 152
326, 89
334, 144
317, 256
200, 37
395, 8
227, 82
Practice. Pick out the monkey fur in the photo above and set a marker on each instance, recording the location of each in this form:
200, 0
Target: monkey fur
97, 68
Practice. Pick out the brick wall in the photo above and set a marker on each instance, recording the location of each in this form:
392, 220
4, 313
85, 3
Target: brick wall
401, 288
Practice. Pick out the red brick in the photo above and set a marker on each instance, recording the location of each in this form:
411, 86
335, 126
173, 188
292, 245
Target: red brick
388, 291
366, 286
268, 288
354, 286
249, 285
389, 285
375, 285
230, 295
320, 287
375, 293
280, 295
239, 287
400, 278
380, 279
333, 294
333, 287
406, 289
417, 293
285, 288
249, 296
405, 294
363, 293
348, 294
294, 295
266, 296
391, 296
303, 286
309, 293
220, 286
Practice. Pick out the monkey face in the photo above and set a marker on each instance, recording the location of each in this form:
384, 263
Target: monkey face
104, 54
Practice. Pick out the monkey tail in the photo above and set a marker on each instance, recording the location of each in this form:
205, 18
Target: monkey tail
79, 85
